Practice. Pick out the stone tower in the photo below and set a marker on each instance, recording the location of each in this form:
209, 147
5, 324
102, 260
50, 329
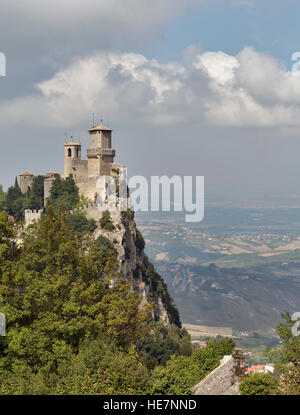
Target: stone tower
26, 179
50, 177
72, 156
100, 154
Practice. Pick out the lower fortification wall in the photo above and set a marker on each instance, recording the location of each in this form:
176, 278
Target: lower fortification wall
32, 216
88, 187
92, 211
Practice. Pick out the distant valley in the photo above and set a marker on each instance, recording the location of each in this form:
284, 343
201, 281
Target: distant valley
238, 268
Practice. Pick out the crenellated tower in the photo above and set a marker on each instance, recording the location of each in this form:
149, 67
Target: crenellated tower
100, 154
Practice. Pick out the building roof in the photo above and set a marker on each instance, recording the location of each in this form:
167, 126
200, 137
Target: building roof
72, 143
26, 173
50, 179
99, 128
51, 172
256, 367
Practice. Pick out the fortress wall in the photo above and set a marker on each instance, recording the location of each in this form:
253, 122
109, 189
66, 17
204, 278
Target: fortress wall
32, 216
93, 212
47, 189
80, 169
93, 167
87, 187
105, 165
67, 167
25, 183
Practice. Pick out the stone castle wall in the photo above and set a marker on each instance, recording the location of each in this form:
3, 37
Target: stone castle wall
88, 187
32, 216
79, 169
92, 211
25, 183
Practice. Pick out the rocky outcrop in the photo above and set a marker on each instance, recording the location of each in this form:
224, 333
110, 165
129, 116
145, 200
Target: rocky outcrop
135, 266
221, 381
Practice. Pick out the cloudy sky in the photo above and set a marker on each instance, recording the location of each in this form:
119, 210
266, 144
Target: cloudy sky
190, 87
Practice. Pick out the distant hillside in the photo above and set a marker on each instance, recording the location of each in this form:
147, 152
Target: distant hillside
245, 299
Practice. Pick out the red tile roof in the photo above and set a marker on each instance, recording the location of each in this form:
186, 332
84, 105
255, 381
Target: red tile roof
254, 368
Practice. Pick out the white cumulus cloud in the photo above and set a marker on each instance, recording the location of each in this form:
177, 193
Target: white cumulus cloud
249, 89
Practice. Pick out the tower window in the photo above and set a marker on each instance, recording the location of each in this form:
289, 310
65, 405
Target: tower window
69, 152
77, 152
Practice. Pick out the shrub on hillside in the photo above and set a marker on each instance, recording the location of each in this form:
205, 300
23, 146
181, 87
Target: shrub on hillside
79, 222
106, 222
259, 384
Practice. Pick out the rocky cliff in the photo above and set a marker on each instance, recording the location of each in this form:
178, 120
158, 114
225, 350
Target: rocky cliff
135, 266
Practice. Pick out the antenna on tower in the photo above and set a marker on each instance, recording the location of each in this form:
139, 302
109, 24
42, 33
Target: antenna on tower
65, 136
93, 120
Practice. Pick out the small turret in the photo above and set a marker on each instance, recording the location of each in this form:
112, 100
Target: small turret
72, 152
50, 177
26, 179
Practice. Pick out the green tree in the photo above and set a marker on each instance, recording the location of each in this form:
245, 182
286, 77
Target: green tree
259, 384
14, 201
8, 245
287, 357
79, 222
162, 343
64, 194
2, 198
34, 197
106, 222
56, 294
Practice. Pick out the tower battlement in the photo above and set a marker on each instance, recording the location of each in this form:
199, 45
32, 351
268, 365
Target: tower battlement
32, 216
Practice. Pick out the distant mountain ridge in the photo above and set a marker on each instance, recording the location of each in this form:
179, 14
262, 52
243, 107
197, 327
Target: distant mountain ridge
245, 299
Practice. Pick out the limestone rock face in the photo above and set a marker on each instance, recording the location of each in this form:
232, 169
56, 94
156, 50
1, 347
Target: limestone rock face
137, 269
221, 381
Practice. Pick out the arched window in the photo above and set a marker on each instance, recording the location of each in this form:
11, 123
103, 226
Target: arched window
69, 152
77, 152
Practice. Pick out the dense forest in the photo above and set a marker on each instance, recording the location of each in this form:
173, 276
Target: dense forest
69, 331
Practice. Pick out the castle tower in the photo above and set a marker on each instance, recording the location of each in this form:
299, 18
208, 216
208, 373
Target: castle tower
26, 179
100, 154
72, 156
50, 177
